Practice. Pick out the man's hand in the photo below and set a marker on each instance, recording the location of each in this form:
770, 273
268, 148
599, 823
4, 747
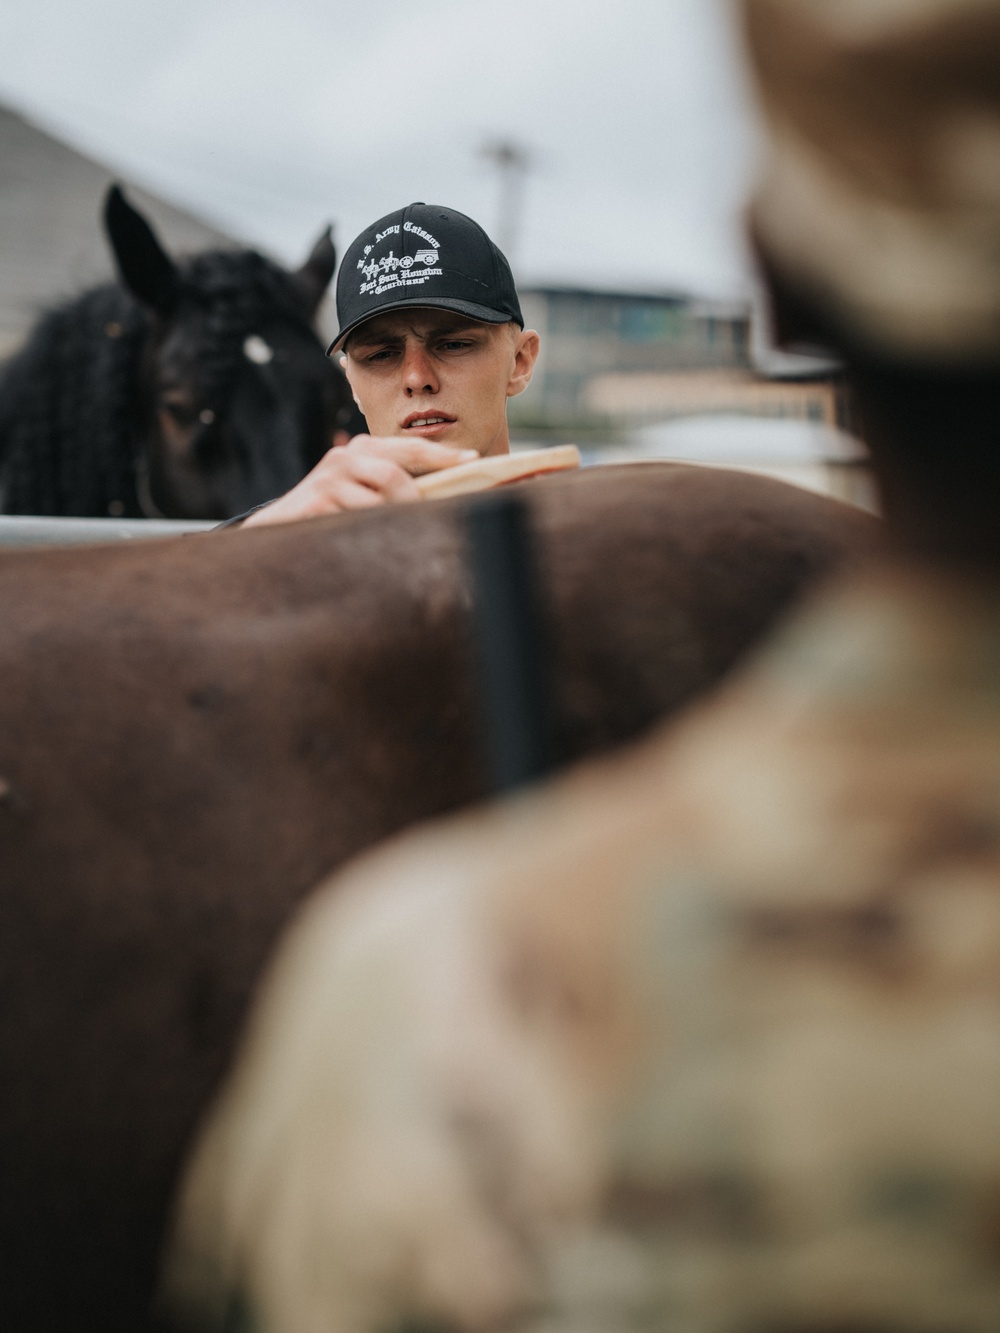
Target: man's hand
367, 472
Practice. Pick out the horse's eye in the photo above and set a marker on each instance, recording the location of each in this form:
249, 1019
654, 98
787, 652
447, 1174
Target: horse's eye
182, 414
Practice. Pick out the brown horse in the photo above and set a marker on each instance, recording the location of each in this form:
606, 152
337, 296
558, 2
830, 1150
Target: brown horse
193, 733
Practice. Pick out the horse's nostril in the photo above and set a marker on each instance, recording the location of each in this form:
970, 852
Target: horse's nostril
206, 416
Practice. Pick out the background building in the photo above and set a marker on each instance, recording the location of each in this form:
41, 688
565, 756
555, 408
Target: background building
52, 244
630, 375
592, 340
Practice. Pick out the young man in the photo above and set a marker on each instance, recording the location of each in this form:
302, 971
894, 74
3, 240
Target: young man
433, 343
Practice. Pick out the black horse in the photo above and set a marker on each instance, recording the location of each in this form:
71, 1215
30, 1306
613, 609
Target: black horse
188, 391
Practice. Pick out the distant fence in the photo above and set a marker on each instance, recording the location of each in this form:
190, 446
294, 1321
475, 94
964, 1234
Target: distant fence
16, 530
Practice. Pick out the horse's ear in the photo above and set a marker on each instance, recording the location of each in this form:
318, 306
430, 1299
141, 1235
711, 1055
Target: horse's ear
144, 266
315, 274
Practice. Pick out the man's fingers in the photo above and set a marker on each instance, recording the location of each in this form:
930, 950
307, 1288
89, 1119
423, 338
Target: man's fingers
383, 475
343, 479
368, 471
354, 495
417, 456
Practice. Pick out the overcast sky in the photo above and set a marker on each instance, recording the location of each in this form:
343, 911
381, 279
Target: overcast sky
272, 117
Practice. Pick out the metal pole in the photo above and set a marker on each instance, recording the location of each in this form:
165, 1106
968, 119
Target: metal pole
18, 530
512, 161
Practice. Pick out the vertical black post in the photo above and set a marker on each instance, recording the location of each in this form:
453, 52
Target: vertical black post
508, 626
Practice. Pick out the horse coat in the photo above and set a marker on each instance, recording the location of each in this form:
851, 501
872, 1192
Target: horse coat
193, 733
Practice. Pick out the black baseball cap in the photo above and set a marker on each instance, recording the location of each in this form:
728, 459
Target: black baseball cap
424, 255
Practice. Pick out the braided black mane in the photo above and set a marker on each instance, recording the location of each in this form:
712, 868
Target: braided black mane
69, 415
71, 409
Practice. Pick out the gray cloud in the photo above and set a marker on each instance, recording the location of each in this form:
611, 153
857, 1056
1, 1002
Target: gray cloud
273, 116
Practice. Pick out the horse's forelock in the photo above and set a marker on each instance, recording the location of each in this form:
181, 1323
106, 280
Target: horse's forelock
245, 281
233, 294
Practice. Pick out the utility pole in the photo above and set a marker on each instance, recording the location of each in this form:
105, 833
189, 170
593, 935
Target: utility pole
512, 161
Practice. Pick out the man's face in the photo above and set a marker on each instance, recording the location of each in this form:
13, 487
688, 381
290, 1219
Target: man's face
440, 376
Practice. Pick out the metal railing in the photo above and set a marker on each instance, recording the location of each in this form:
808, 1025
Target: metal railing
17, 530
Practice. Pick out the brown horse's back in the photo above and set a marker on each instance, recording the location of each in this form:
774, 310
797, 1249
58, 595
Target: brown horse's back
193, 733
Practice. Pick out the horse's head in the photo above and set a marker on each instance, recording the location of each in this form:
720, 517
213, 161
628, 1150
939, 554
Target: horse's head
238, 399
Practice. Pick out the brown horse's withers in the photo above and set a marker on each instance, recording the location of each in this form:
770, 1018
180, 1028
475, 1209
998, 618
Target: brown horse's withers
193, 733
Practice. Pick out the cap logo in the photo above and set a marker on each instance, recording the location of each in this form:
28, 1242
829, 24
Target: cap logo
390, 271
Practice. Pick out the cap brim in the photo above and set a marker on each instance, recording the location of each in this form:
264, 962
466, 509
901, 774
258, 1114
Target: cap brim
483, 313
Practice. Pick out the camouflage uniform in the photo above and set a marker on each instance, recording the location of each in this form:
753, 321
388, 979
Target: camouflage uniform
706, 1038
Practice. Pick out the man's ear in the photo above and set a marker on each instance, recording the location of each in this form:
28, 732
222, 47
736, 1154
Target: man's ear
315, 274
346, 366
354, 395
525, 355
144, 266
